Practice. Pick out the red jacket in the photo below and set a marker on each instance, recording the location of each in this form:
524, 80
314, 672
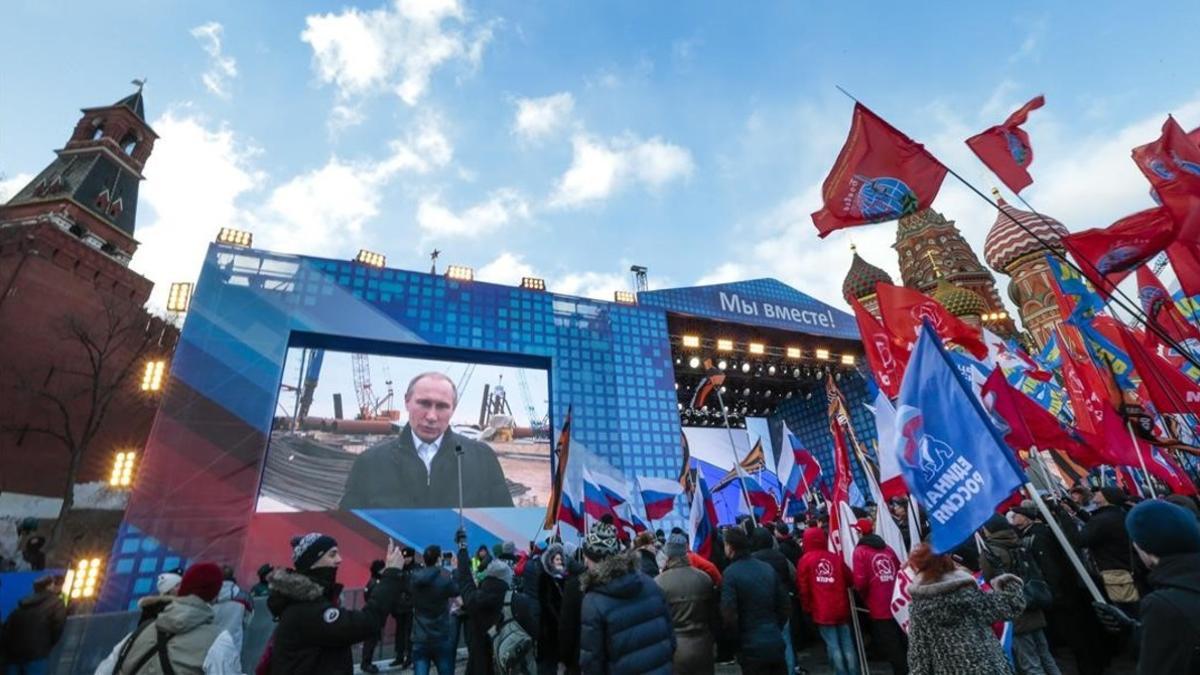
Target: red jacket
704, 565
822, 582
875, 569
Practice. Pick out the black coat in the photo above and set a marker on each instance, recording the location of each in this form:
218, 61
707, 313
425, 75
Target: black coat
1171, 617
647, 562
432, 589
1056, 568
755, 606
625, 623
33, 628
483, 606
314, 635
389, 476
571, 623
784, 570
1105, 538
790, 549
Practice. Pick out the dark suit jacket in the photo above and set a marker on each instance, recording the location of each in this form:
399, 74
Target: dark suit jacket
392, 476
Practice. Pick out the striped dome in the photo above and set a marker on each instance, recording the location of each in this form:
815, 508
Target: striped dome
1006, 242
861, 279
959, 301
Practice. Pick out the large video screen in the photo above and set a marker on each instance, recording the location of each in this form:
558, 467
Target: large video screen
364, 431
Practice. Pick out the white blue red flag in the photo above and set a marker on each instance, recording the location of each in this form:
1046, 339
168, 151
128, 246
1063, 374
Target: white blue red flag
658, 495
702, 519
954, 460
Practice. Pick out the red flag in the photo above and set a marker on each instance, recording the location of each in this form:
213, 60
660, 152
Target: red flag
1106, 255
1162, 312
839, 421
1172, 165
1185, 260
1164, 467
1170, 390
880, 175
1005, 147
886, 361
903, 310
1030, 425
1097, 420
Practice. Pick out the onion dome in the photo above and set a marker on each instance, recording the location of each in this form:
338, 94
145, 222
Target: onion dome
959, 301
861, 279
1007, 241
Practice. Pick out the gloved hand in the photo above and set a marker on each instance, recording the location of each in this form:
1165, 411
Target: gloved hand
1113, 619
460, 538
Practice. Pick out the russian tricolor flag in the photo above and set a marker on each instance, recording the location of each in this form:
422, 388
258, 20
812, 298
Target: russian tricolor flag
702, 520
658, 494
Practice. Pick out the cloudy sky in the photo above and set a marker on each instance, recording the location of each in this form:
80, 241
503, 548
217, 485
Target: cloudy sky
570, 140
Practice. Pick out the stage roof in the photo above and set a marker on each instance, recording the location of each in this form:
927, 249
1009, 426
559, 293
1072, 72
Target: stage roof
768, 303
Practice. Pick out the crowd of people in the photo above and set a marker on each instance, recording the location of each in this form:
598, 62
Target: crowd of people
769, 594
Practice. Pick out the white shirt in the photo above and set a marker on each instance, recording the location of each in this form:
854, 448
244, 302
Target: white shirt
426, 449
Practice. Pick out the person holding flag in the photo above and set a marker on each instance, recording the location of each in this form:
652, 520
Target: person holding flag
874, 573
822, 584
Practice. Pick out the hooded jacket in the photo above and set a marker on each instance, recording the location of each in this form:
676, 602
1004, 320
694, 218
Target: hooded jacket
763, 543
875, 569
314, 635
483, 605
755, 606
1171, 617
692, 599
625, 621
821, 581
549, 592
1000, 557
1104, 536
432, 589
34, 627
196, 645
950, 624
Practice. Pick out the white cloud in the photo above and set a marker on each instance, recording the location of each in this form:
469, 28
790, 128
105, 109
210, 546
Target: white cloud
394, 48
194, 181
538, 118
13, 185
595, 285
601, 168
501, 208
221, 68
724, 273
507, 268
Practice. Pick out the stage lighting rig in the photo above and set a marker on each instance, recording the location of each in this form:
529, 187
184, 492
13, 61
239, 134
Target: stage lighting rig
625, 297
847, 359
724, 345
694, 362
757, 348
370, 258
460, 273
691, 341
232, 237
823, 354
179, 297
793, 352
533, 284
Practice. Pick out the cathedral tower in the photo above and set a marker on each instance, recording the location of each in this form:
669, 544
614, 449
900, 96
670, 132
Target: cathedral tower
860, 281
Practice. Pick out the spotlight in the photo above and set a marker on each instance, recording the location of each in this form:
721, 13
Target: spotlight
179, 297
722, 390
722, 364
788, 395
796, 373
793, 352
152, 377
460, 273
757, 348
122, 470
694, 362
625, 297
847, 359
823, 354
228, 235
725, 345
679, 404
676, 386
771, 369
746, 391
767, 393
678, 361
370, 258
82, 578
533, 284
691, 341
746, 367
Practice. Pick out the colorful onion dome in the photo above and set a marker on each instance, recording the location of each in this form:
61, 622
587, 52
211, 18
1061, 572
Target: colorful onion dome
861, 279
959, 301
1007, 241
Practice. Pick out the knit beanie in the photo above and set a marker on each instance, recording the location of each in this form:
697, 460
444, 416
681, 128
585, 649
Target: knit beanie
677, 546
167, 582
498, 569
601, 542
202, 580
309, 548
1161, 528
508, 551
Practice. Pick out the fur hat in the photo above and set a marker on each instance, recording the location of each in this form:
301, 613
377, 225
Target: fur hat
677, 545
202, 580
309, 548
601, 541
1161, 528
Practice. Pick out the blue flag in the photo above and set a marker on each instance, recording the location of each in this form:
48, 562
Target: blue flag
952, 457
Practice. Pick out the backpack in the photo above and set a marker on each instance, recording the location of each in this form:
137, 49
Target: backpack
1037, 592
512, 647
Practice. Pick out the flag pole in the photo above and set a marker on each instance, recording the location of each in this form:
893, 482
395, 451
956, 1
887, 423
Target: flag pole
1052, 522
864, 667
1141, 459
737, 460
1134, 311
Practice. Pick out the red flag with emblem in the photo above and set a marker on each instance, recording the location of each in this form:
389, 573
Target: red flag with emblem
1185, 260
1172, 165
879, 175
1098, 422
1163, 313
903, 310
1106, 255
1030, 425
1005, 148
886, 361
1170, 390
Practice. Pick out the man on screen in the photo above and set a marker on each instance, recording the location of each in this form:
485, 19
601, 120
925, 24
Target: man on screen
419, 469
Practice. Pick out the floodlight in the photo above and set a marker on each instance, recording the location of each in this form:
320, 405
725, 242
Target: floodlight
81, 579
228, 235
746, 367
757, 348
533, 284
691, 341
725, 345
625, 297
152, 377
179, 297
694, 362
793, 352
823, 354
847, 359
122, 469
370, 258
460, 273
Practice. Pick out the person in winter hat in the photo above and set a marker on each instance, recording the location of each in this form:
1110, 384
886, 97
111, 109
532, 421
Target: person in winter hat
185, 634
764, 544
951, 617
551, 586
754, 606
874, 570
692, 598
313, 634
1167, 539
625, 624
823, 586
262, 589
34, 627
1001, 553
